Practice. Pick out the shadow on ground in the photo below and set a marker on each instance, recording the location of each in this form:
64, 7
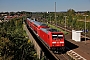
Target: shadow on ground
70, 45
83, 39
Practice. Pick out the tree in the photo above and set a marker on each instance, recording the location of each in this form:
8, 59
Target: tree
71, 12
12, 13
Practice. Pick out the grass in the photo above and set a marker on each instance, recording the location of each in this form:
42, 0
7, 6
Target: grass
57, 28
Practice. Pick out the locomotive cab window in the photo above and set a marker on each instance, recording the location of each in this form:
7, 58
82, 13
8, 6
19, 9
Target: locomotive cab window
53, 30
55, 36
60, 36
44, 25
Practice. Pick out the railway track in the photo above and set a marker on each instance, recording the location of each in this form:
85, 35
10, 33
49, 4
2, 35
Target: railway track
62, 56
70, 31
71, 53
60, 27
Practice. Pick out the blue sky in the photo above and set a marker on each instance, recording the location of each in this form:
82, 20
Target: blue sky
43, 5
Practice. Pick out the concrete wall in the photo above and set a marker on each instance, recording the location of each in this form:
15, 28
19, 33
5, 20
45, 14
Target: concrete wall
36, 46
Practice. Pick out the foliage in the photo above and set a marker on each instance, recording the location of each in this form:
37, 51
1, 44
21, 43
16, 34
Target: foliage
74, 20
13, 41
70, 12
57, 29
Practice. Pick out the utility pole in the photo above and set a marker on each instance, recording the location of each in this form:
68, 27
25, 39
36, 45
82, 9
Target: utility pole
50, 19
55, 13
85, 27
72, 23
65, 23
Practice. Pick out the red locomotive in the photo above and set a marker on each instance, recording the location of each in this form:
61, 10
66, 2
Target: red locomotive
53, 38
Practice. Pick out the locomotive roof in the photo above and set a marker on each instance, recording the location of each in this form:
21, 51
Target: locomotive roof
49, 29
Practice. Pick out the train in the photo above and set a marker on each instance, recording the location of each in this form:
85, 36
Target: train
53, 38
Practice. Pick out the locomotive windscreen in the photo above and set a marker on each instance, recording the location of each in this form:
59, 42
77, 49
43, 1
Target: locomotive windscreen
44, 25
54, 36
53, 30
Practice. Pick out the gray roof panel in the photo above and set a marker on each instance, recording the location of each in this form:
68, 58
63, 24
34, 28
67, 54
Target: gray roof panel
49, 29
